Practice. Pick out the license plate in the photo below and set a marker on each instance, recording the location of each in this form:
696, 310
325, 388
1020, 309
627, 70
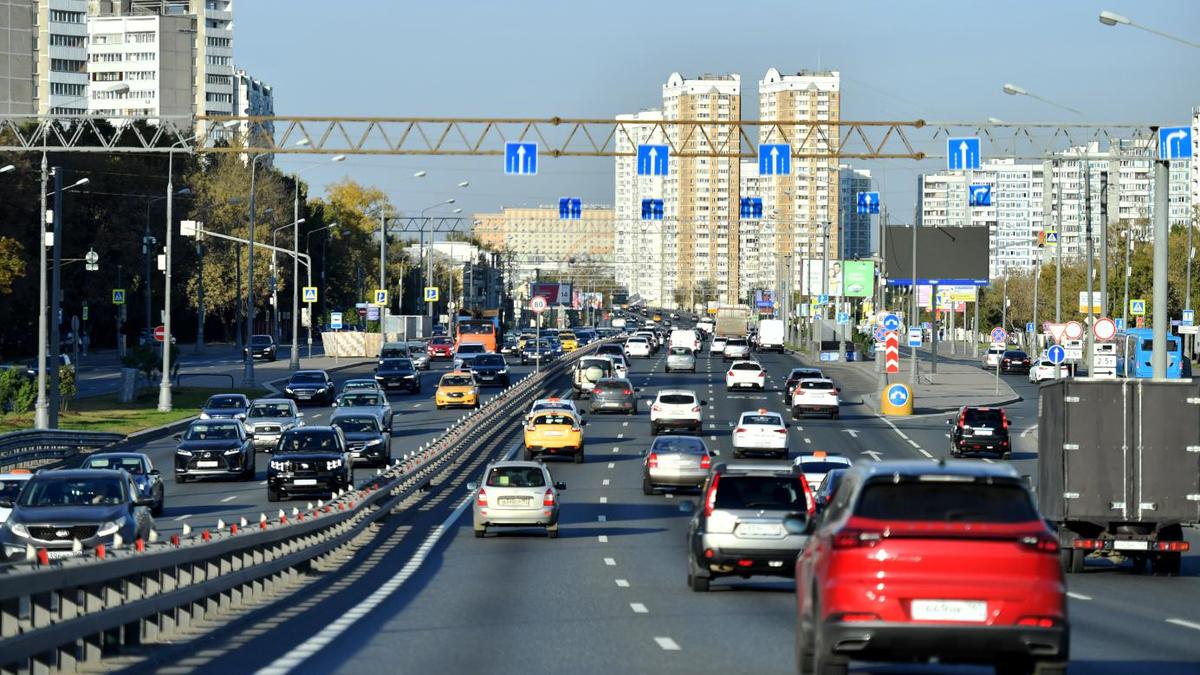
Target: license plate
758, 530
949, 610
207, 465
53, 555
513, 501
554, 433
305, 481
1127, 545
982, 432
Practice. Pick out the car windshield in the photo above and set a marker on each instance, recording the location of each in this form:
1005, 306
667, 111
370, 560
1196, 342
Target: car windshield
760, 492
820, 466
815, 384
388, 353
516, 476
1015, 355
554, 419
488, 360
915, 500
224, 402
211, 432
441, 341
471, 349
614, 385
584, 364
308, 378
357, 424
636, 339
982, 418
396, 364
358, 384
131, 464
677, 399
475, 328
270, 410
10, 488
681, 445
307, 441
457, 381
357, 400
774, 420
734, 342
416, 348
680, 351
260, 340
746, 366
72, 492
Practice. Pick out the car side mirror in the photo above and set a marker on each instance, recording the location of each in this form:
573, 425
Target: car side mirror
178, 437
714, 452
155, 472
5, 504
798, 523
949, 422
703, 402
299, 414
560, 486
143, 502
250, 433
472, 486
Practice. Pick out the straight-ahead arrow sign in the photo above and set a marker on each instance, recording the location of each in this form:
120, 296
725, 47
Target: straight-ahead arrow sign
853, 433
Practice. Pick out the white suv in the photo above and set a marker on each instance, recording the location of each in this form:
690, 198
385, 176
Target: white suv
677, 409
637, 346
992, 358
815, 396
747, 374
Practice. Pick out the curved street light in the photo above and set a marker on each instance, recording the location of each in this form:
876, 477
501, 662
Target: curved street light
1113, 19
1014, 90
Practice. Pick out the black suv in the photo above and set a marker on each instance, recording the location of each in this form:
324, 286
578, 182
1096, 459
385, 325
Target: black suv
309, 461
310, 386
398, 374
980, 430
218, 447
260, 347
1015, 361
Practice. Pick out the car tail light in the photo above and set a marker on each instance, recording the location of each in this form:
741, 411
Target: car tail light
761, 374
781, 431
710, 499
706, 462
627, 392
1172, 546
696, 409
656, 408
597, 391
730, 373
857, 539
1042, 543
481, 498
740, 430
810, 502
1037, 621
652, 460
859, 616
1004, 420
548, 498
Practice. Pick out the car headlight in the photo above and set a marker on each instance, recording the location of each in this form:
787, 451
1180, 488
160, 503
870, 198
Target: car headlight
279, 465
503, 371
181, 451
233, 451
108, 528
19, 530
204, 415
288, 390
335, 463
320, 389
374, 442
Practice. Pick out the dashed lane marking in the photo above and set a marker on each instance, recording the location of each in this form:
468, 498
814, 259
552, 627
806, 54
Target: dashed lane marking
611, 562
622, 583
603, 538
228, 499
604, 482
638, 608
667, 644
601, 519
1186, 624
611, 464
1078, 596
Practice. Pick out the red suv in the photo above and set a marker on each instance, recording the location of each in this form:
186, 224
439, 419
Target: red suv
441, 348
917, 560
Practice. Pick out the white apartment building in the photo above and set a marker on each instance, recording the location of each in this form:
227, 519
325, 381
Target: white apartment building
854, 229
801, 203
643, 250
756, 237
701, 193
253, 98
535, 238
60, 57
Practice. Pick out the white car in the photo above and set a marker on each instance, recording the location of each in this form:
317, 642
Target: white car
745, 374
516, 494
637, 346
815, 466
760, 433
10, 487
1044, 370
717, 346
651, 337
992, 358
685, 337
620, 366
816, 396
736, 348
676, 409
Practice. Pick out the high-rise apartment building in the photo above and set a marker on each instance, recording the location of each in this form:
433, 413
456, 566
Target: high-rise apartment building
643, 250
806, 109
16, 57
536, 238
60, 54
253, 98
854, 228
701, 193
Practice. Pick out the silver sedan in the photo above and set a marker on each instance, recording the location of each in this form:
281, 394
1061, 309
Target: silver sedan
516, 494
676, 461
681, 358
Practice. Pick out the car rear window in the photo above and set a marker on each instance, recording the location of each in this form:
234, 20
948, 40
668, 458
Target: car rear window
554, 420
1015, 355
815, 384
735, 341
941, 501
746, 366
763, 419
225, 402
820, 466
677, 399
471, 349
690, 446
681, 351
760, 492
516, 476
615, 385
982, 418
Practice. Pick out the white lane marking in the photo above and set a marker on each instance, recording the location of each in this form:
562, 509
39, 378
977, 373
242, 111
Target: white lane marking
1185, 624
228, 499
604, 482
638, 608
263, 483
624, 424
799, 428
913, 443
946, 435
1028, 431
923, 451
713, 438
616, 449
667, 644
604, 500
611, 464
622, 583
1078, 596
183, 517
416, 405
603, 538
611, 562
669, 495
808, 440
620, 435
601, 519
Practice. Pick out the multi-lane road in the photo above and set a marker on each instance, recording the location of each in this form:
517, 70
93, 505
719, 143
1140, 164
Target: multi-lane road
609, 595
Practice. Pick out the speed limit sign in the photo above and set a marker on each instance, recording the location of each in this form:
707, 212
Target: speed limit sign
537, 305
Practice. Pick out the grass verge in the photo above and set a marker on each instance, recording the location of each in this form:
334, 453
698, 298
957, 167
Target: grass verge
105, 413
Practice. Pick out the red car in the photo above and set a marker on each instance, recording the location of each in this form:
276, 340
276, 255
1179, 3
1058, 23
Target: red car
917, 560
441, 348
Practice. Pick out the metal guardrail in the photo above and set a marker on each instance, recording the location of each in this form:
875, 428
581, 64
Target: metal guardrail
20, 449
61, 614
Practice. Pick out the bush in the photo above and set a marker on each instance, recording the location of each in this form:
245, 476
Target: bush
10, 382
24, 396
67, 387
144, 359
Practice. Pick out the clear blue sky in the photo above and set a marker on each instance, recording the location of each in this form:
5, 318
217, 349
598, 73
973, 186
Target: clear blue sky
929, 59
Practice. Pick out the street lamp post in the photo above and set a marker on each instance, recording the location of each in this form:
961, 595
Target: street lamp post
248, 372
429, 265
56, 291
1014, 90
1112, 19
275, 274
164, 385
294, 358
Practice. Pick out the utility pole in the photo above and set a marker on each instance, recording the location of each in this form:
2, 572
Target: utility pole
914, 319
164, 385
199, 294
294, 356
1104, 309
1162, 320
1058, 245
42, 408
1091, 254
56, 297
248, 372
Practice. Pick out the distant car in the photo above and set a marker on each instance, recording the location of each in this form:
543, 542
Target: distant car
681, 358
373, 402
313, 386
225, 407
369, 443
793, 379
399, 373
392, 350
145, 476
992, 358
419, 354
465, 353
10, 487
752, 520
1014, 361
510, 347
828, 487
620, 365
677, 409
310, 460
360, 384
536, 351
816, 396
440, 348
920, 560
760, 432
979, 430
736, 348
552, 403
717, 345
612, 394
1045, 370
261, 347
516, 494
745, 375
214, 448
675, 461
268, 418
457, 388
638, 346
816, 465
554, 432
490, 370
55, 509
610, 349
587, 372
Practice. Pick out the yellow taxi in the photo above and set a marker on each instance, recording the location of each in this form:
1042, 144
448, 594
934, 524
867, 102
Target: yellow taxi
554, 431
525, 339
568, 340
457, 388
657, 317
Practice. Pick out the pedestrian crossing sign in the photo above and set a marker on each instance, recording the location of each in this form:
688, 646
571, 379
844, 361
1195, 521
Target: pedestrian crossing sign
118, 296
381, 297
310, 294
431, 294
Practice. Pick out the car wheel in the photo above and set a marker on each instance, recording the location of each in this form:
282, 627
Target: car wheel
1050, 668
804, 646
697, 581
552, 532
272, 495
180, 478
579, 459
737, 454
1072, 560
157, 509
529, 455
480, 532
837, 415
647, 486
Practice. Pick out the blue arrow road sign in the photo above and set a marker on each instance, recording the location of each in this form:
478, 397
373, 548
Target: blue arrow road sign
652, 209
823, 299
652, 160
891, 322
1175, 143
897, 394
962, 154
1056, 354
520, 159
751, 208
570, 208
774, 159
843, 318
880, 334
868, 202
981, 195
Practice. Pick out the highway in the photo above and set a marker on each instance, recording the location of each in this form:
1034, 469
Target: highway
610, 595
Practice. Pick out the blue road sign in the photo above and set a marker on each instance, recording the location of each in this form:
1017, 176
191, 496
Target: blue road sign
897, 394
652, 209
823, 299
1175, 143
843, 318
891, 322
520, 159
1029, 327
335, 320
751, 208
880, 334
1120, 323
1137, 307
774, 159
1056, 354
914, 337
1189, 317
652, 160
980, 195
570, 208
868, 202
962, 154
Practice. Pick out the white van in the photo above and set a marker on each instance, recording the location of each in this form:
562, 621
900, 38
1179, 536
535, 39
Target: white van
685, 337
770, 335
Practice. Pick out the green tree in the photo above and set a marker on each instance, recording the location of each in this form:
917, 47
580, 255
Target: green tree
67, 387
12, 263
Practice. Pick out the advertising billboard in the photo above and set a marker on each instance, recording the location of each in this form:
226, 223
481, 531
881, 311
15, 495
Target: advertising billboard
858, 278
812, 270
945, 255
554, 293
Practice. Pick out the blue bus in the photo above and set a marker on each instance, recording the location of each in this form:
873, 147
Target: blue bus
1134, 347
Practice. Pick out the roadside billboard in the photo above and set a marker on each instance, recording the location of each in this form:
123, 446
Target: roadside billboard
858, 278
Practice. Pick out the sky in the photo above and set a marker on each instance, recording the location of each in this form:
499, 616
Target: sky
938, 60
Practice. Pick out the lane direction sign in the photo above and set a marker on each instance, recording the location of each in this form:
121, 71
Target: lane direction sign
520, 159
652, 209
774, 159
868, 202
652, 160
897, 394
980, 195
1175, 143
891, 322
570, 208
962, 154
1057, 354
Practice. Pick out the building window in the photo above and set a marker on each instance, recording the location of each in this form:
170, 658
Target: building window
57, 40
107, 77
142, 56
220, 42
141, 37
68, 66
220, 60
105, 58
61, 16
64, 89
143, 75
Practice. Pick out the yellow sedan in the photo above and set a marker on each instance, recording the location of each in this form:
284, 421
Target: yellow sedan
457, 389
554, 432
569, 342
